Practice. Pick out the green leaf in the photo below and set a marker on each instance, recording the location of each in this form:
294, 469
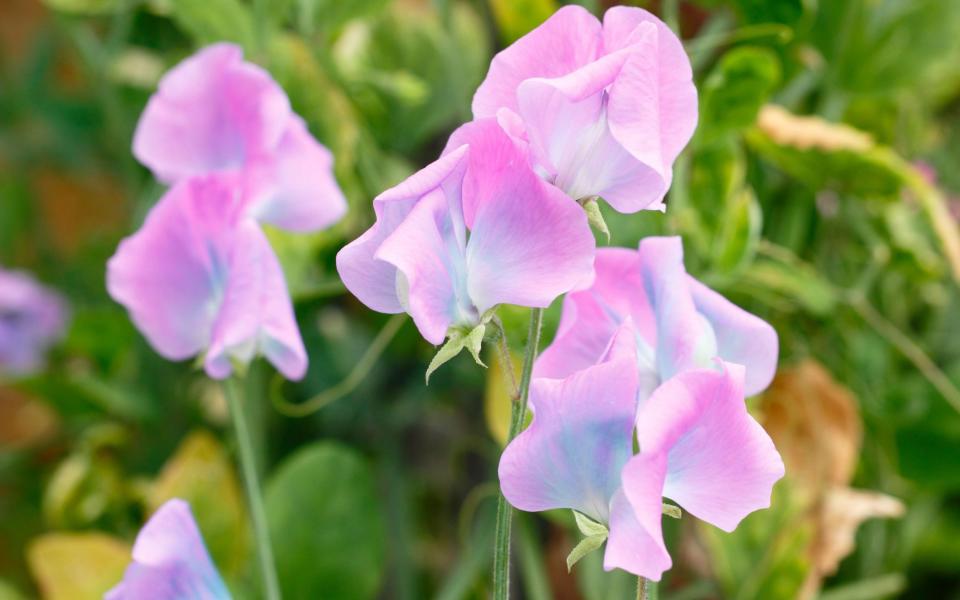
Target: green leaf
82, 566
515, 18
214, 21
588, 526
84, 7
327, 524
736, 89
202, 473
737, 241
314, 16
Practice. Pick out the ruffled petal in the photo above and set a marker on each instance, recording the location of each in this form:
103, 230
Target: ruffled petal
636, 536
301, 192
685, 339
528, 242
256, 315
168, 275
170, 561
580, 438
742, 338
569, 39
425, 250
372, 281
567, 125
592, 316
212, 112
721, 465
653, 102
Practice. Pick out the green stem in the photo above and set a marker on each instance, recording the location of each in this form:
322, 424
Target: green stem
501, 548
268, 573
646, 589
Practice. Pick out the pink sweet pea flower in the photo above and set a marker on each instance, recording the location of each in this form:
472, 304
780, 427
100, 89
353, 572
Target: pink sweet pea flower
474, 229
605, 109
170, 561
200, 276
698, 446
677, 322
214, 112
32, 318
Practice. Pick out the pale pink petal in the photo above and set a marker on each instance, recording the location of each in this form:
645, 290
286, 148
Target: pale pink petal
721, 464
256, 316
742, 338
569, 39
300, 191
653, 103
211, 112
170, 561
636, 538
372, 281
580, 438
168, 274
424, 248
685, 339
566, 122
592, 316
528, 242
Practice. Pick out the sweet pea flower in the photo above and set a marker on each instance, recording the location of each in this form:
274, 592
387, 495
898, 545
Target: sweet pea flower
605, 109
32, 318
677, 322
474, 229
698, 446
200, 276
215, 112
170, 561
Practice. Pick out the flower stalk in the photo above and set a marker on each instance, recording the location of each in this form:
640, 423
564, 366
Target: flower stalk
268, 572
501, 549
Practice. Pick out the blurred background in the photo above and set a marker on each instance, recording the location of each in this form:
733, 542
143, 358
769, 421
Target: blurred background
820, 192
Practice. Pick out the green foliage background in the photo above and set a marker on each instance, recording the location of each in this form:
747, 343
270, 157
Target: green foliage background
388, 492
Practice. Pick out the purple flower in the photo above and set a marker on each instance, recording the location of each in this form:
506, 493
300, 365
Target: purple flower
647, 351
170, 561
475, 229
605, 109
214, 112
32, 318
200, 276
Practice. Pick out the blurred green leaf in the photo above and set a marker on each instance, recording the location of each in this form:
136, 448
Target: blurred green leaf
81, 566
737, 87
8, 592
212, 21
84, 7
201, 473
517, 17
327, 523
330, 15
740, 233
792, 282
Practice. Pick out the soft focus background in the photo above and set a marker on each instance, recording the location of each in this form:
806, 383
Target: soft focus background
832, 214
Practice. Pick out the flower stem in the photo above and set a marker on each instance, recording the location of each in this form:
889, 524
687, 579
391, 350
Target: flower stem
501, 548
268, 573
646, 589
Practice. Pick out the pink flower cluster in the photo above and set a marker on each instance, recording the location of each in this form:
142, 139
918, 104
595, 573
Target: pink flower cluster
200, 275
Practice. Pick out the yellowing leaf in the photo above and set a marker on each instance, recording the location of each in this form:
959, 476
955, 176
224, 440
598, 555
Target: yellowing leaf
202, 473
82, 566
497, 398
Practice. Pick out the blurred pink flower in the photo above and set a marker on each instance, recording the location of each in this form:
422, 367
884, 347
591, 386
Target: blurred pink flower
200, 276
32, 318
605, 109
647, 349
474, 229
170, 561
214, 112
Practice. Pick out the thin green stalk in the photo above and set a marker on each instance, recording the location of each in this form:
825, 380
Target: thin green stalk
501, 548
646, 589
268, 572
349, 383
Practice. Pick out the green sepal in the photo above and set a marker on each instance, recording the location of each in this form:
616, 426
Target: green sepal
595, 535
457, 340
672, 511
595, 217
